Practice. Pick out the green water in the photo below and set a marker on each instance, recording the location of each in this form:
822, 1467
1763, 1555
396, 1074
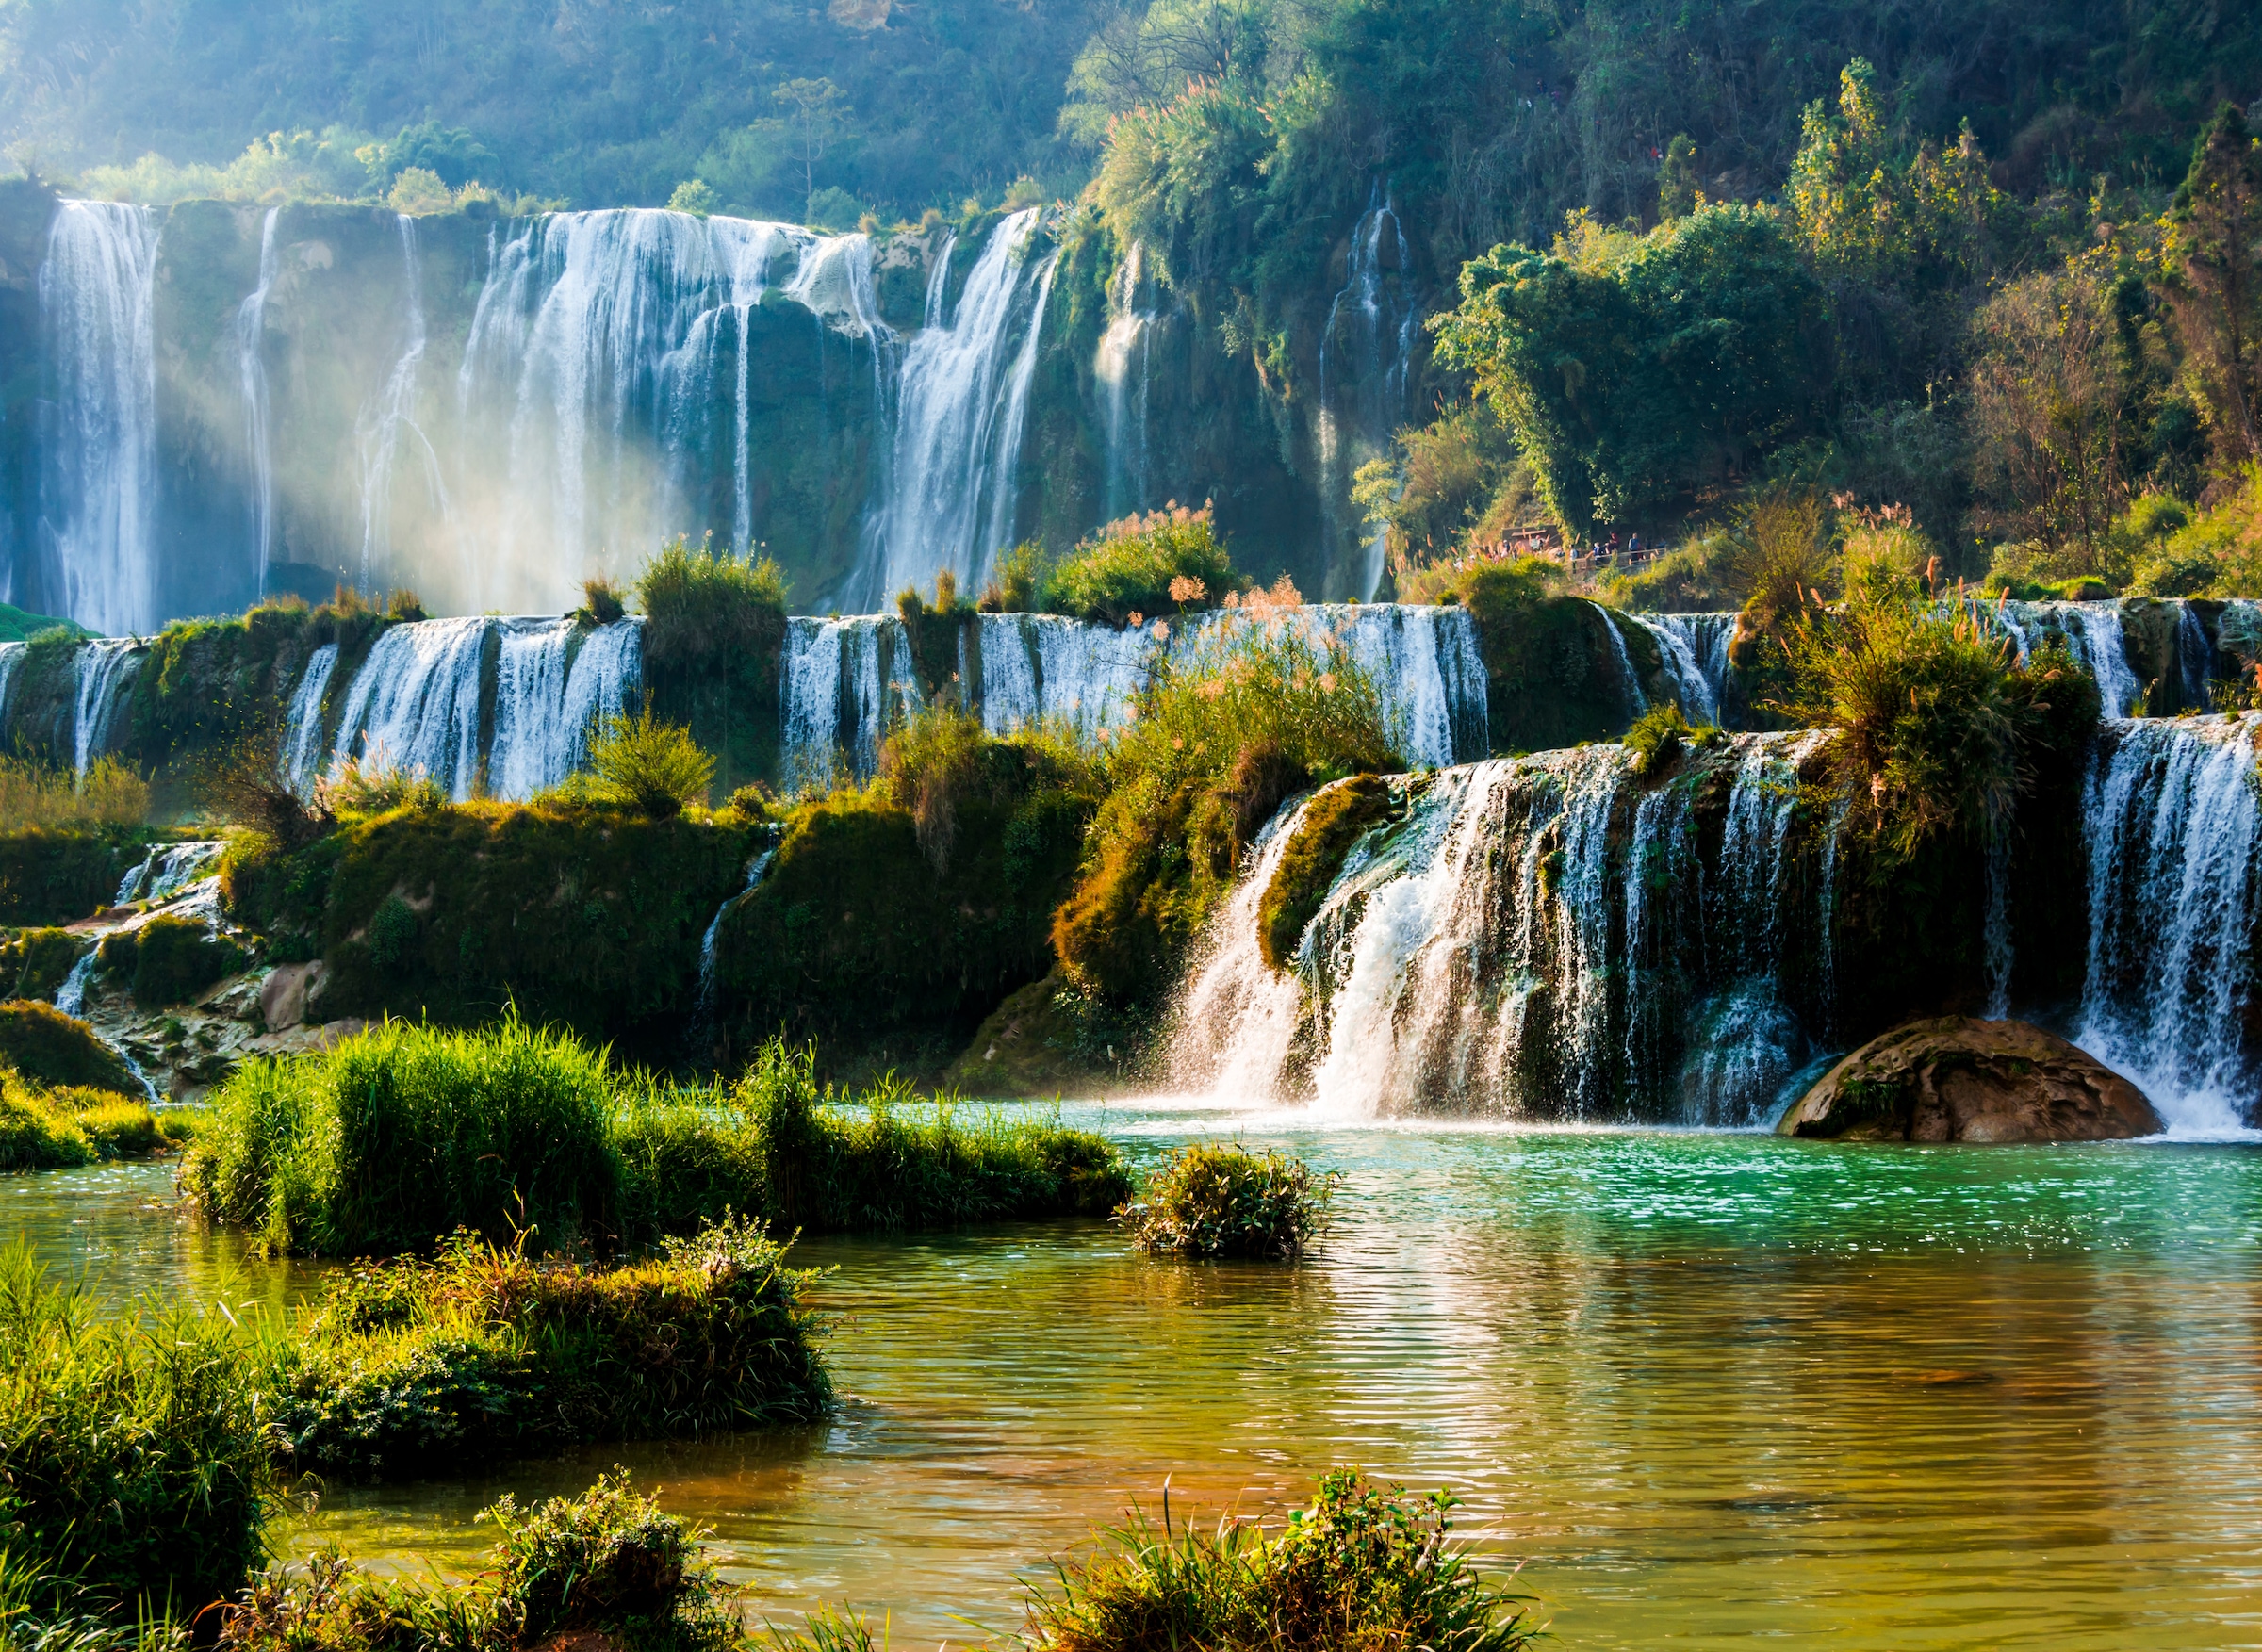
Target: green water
1702, 1389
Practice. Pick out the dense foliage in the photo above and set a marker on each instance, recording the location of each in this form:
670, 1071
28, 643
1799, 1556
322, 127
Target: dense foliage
1223, 1201
49, 1047
1144, 567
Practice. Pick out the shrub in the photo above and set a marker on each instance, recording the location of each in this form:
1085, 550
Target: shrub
1013, 586
56, 1129
1130, 567
701, 604
926, 766
607, 1565
483, 1351
47, 1046
35, 794
169, 959
60, 876
1216, 740
1210, 1200
138, 1476
655, 769
38, 961
1361, 1567
247, 783
1662, 734
1331, 824
389, 1139
368, 786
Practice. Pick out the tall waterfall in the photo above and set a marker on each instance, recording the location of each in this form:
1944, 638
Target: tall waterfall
251, 366
392, 415
2175, 893
597, 342
1123, 366
950, 494
98, 489
413, 707
1547, 936
1369, 338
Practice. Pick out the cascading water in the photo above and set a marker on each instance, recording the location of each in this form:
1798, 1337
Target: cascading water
1629, 681
383, 423
2195, 658
1121, 365
251, 366
304, 747
846, 682
1236, 1024
167, 869
413, 707
1369, 342
2175, 893
98, 484
951, 481
100, 669
12, 657
2091, 631
1694, 649
544, 705
1426, 663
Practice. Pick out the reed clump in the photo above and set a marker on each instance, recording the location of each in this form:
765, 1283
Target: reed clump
38, 794
650, 768
1661, 733
405, 1133
482, 1350
1220, 1200
58, 1129
1143, 568
140, 1468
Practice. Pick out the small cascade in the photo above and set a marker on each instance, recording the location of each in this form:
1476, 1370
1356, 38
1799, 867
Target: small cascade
607, 673
1368, 345
2090, 632
1234, 1027
11, 659
102, 669
553, 679
2195, 658
1629, 681
304, 747
251, 368
1694, 649
385, 421
2175, 893
167, 869
703, 1015
1089, 674
1996, 938
413, 707
1426, 663
847, 682
70, 997
1122, 367
949, 503
98, 486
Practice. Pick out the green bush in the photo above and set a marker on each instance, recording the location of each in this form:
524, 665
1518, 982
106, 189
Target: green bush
1331, 822
38, 961
57, 1129
169, 960
607, 1564
1361, 1567
1145, 565
389, 1139
139, 1468
415, 1366
60, 876
655, 769
47, 1046
1211, 1199
713, 636
1662, 734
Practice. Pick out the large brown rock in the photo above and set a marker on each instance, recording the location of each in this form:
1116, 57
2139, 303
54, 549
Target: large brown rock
1955, 1078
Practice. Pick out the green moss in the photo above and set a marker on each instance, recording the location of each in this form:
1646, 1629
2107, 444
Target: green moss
36, 962
1331, 822
169, 960
45, 1045
1552, 664
715, 633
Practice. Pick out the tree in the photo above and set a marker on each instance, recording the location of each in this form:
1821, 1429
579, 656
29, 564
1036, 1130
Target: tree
2213, 227
1677, 178
818, 112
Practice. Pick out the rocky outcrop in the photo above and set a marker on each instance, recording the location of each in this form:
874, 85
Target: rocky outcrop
1955, 1078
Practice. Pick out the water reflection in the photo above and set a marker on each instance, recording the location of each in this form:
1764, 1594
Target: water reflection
1703, 1386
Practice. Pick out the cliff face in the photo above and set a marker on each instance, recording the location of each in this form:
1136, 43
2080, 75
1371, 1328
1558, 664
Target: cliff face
488, 410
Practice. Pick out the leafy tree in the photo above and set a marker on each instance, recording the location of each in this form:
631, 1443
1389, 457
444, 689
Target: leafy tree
1640, 373
817, 111
2216, 223
1677, 178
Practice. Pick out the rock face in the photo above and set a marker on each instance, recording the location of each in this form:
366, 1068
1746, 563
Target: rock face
1956, 1078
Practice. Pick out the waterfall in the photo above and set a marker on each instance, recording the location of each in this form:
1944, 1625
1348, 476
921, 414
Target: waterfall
378, 431
413, 707
596, 351
544, 706
1995, 936
2172, 817
303, 744
99, 476
251, 366
2194, 655
1630, 683
845, 684
1382, 318
167, 869
70, 997
100, 670
950, 494
1234, 1024
12, 657
1121, 368
704, 1005
1426, 665
1694, 649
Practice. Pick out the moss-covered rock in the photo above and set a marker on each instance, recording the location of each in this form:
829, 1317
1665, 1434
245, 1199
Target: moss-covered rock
47, 1046
1331, 822
1559, 670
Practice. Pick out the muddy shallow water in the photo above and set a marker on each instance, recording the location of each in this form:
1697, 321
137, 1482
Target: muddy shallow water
1702, 1387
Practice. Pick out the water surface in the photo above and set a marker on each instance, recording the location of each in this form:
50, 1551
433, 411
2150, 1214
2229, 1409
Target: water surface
1701, 1388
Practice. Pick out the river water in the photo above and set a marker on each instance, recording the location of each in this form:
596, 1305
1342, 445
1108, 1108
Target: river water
1702, 1387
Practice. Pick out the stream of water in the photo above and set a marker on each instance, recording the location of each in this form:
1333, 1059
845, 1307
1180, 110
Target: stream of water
1701, 1386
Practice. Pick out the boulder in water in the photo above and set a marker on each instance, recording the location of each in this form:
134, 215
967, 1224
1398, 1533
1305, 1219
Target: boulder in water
1955, 1078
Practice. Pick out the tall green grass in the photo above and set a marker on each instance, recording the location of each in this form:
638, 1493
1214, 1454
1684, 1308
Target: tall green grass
406, 1133
44, 1129
138, 1467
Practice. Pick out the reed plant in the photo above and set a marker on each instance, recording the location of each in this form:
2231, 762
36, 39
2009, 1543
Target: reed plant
1143, 568
139, 1470
654, 769
45, 1129
702, 604
485, 1351
38, 795
1220, 1200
